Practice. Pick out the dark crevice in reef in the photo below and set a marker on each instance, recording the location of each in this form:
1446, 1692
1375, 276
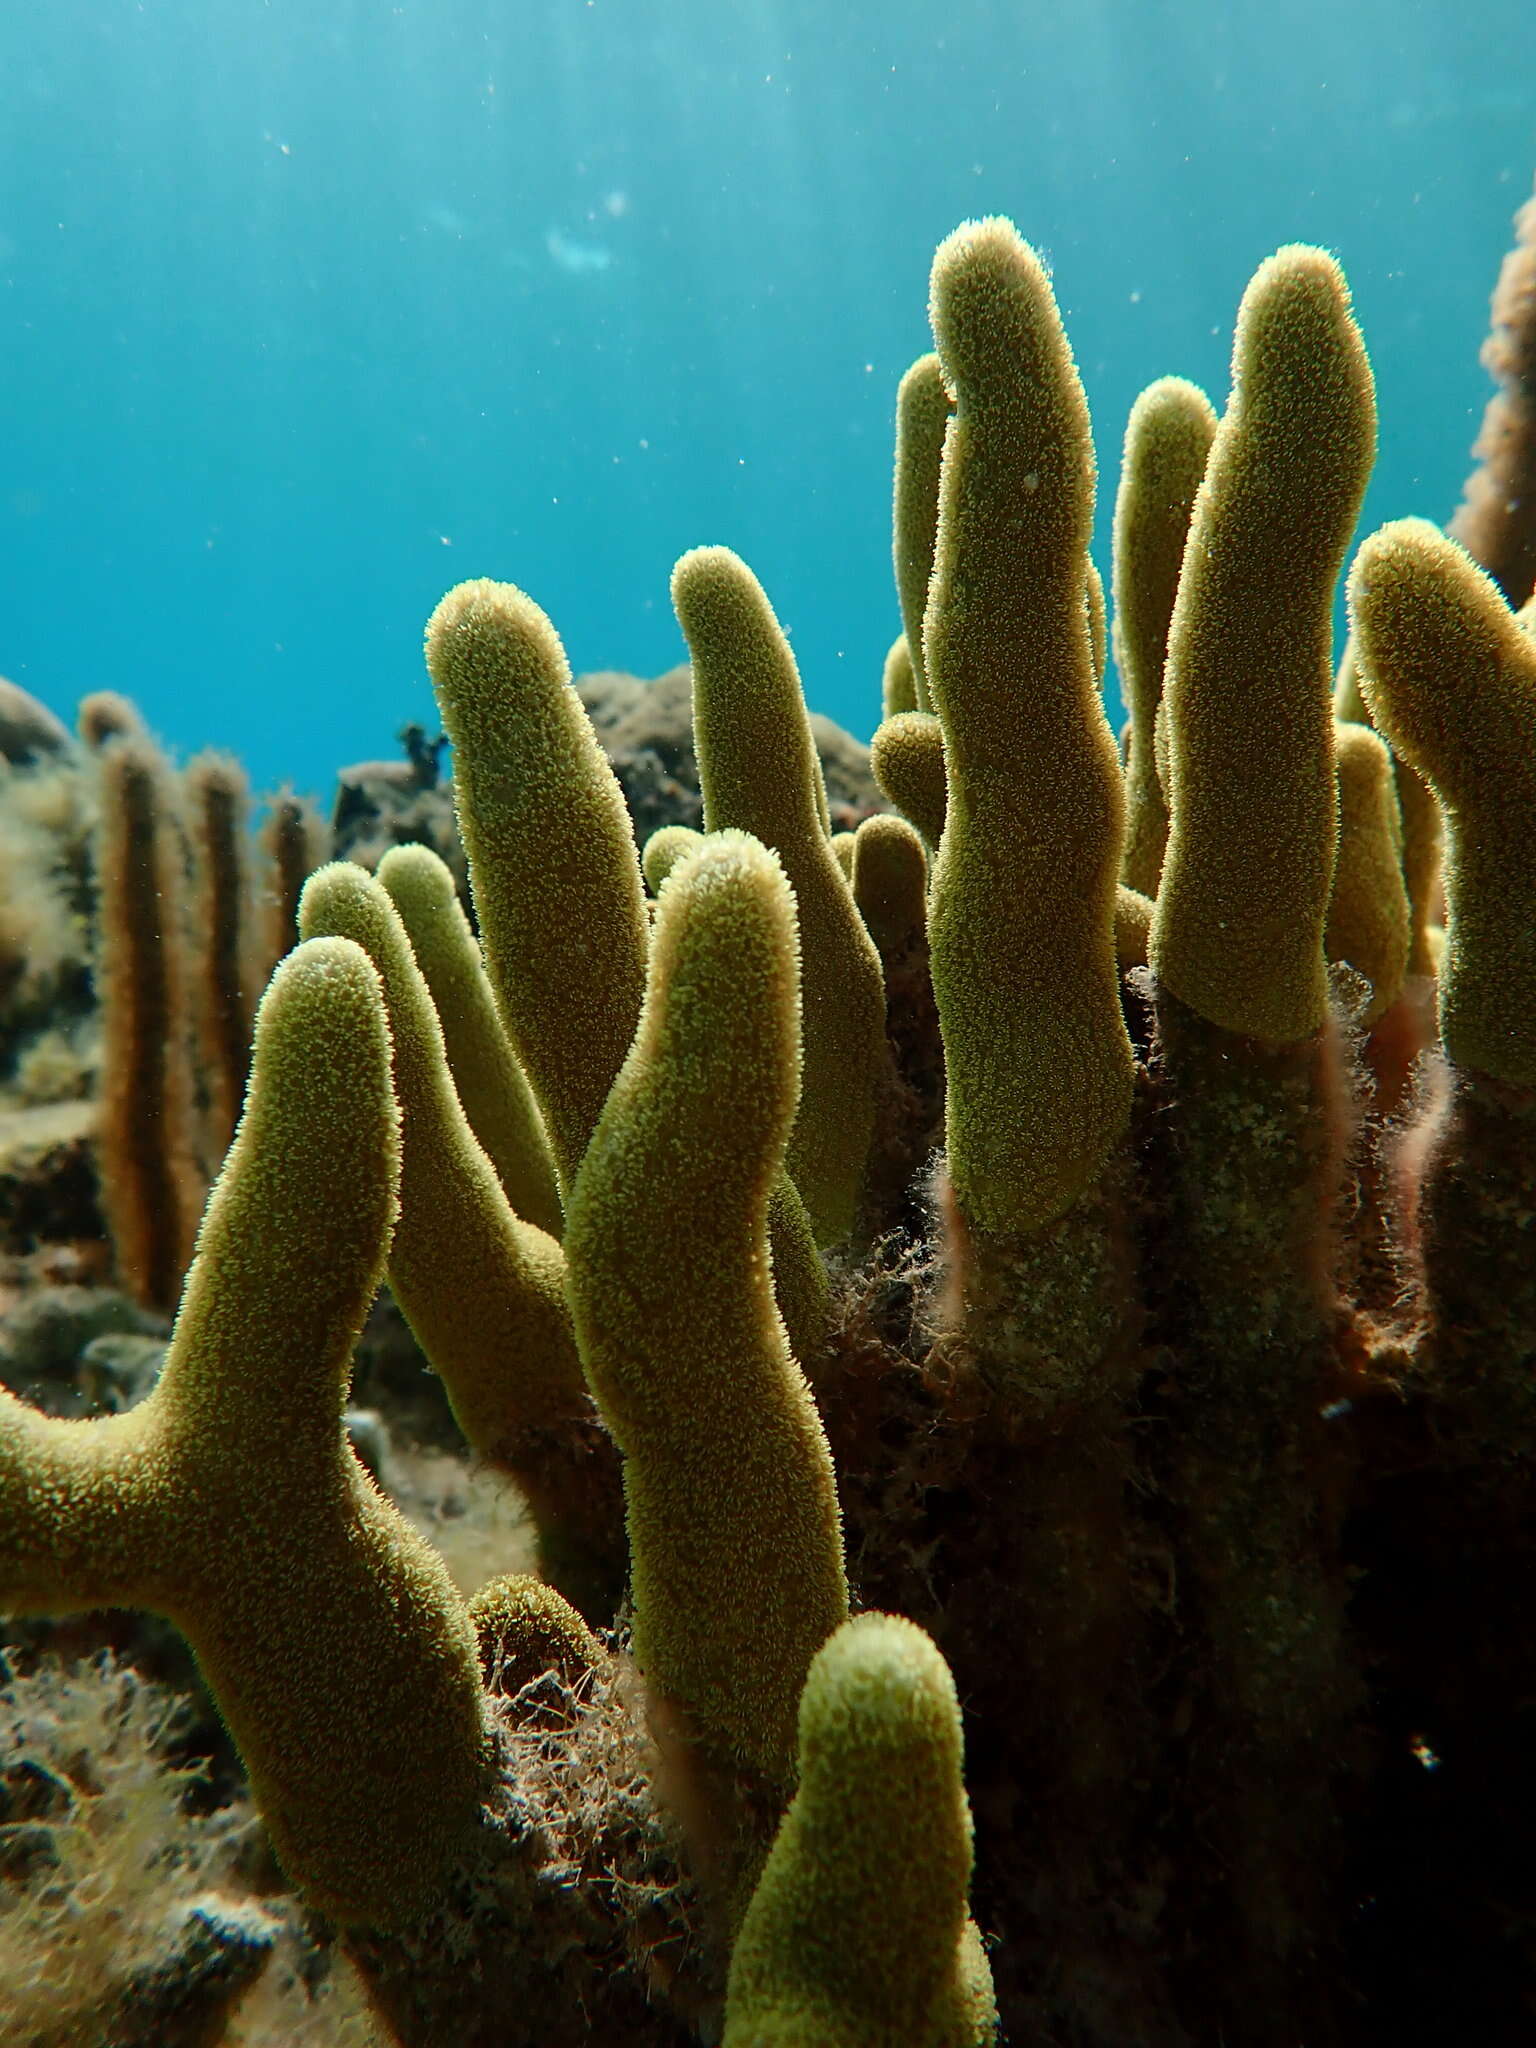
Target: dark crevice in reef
1316, 1720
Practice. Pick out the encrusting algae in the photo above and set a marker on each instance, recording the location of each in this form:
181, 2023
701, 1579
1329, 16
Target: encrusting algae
1014, 1322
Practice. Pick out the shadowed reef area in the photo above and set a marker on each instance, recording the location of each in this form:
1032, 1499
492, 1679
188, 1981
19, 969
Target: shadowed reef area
800, 1400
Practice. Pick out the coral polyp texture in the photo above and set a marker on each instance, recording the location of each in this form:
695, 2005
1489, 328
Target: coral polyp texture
1012, 1324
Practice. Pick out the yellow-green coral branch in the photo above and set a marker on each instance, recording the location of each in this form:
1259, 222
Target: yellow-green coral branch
525, 1629
857, 1935
1167, 441
1419, 814
663, 850
759, 773
328, 1631
906, 758
1021, 919
1450, 678
922, 415
1238, 933
898, 682
552, 857
483, 1291
1368, 919
890, 882
1098, 622
491, 1085
733, 1516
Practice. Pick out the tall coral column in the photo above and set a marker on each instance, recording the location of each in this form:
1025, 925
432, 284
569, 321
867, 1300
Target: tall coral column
1255, 1113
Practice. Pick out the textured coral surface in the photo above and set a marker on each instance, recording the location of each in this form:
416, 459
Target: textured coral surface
946, 1451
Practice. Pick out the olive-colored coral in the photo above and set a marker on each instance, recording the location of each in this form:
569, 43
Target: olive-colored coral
231, 1502
1133, 926
890, 881
151, 1183
898, 681
890, 886
923, 408
1238, 933
907, 758
733, 1519
1253, 1115
1450, 678
1422, 829
1368, 914
1021, 922
1167, 1475
490, 1083
483, 1290
1496, 520
557, 878
663, 850
759, 773
1167, 442
525, 1629
857, 1935
1096, 606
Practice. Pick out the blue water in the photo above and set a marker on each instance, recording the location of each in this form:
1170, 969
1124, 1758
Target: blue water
313, 307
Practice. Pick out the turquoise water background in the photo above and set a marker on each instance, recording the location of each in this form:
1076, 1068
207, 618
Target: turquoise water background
310, 309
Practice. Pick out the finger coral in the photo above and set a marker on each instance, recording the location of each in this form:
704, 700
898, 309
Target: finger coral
857, 1934
972, 1274
908, 761
149, 1166
759, 773
1368, 912
737, 1564
490, 1083
1451, 680
1020, 923
483, 1290
217, 802
1244, 894
549, 839
230, 1501
1167, 442
923, 407
1496, 520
